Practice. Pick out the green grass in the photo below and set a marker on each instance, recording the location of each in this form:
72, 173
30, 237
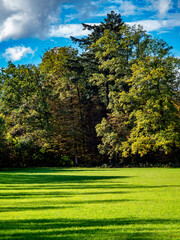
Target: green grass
52, 203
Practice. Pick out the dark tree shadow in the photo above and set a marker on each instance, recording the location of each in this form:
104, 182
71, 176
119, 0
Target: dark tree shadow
63, 186
18, 178
85, 229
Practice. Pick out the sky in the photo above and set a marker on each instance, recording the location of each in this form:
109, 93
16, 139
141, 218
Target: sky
28, 28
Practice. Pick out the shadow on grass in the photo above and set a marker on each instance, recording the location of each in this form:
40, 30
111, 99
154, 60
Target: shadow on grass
49, 194
85, 186
56, 169
87, 229
65, 204
11, 178
17, 209
50, 179
54, 186
80, 229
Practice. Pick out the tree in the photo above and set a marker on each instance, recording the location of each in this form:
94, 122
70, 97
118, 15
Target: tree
89, 58
25, 111
123, 86
116, 52
68, 99
144, 119
113, 22
155, 116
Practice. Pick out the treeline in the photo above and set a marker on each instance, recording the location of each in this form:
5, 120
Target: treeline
117, 102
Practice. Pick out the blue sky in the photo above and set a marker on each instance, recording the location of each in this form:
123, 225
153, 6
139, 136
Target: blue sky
30, 27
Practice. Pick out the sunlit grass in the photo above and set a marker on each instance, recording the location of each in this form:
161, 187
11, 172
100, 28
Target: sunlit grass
52, 203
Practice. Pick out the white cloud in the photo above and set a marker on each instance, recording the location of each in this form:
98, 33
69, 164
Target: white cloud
162, 6
127, 8
157, 25
41, 18
148, 25
67, 30
27, 18
85, 9
17, 53
33, 18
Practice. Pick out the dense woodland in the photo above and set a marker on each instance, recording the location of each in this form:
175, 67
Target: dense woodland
116, 102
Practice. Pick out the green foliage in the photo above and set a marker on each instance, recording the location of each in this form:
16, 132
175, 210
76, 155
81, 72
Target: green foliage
24, 108
152, 115
141, 88
2, 133
64, 101
66, 161
120, 97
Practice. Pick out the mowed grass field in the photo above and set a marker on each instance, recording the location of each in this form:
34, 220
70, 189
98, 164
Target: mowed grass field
79, 203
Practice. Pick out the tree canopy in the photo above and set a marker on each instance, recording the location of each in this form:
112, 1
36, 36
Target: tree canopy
118, 101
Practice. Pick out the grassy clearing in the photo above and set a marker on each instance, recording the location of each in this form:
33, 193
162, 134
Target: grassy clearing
52, 203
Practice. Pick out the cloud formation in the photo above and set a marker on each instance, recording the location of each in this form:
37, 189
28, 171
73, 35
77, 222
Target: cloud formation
162, 6
33, 18
44, 18
126, 8
67, 30
157, 25
27, 18
17, 53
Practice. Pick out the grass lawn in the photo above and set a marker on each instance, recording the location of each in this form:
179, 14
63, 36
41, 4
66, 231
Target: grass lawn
81, 203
